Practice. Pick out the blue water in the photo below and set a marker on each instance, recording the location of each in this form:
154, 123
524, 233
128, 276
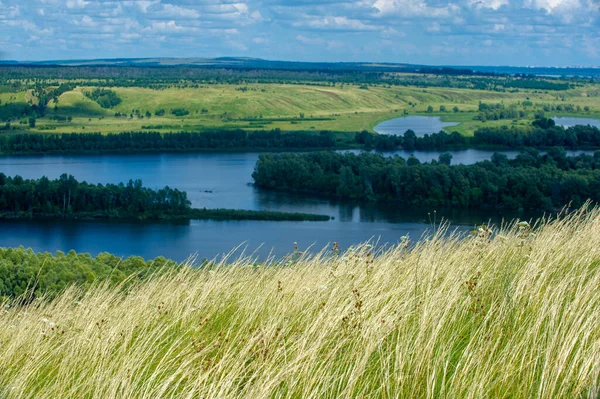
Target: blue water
421, 125
216, 180
568, 121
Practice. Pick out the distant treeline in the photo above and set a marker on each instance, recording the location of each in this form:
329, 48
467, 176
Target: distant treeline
531, 181
34, 274
68, 198
153, 141
543, 134
16, 78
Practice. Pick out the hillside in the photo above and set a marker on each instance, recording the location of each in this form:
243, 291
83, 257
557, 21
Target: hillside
505, 313
289, 107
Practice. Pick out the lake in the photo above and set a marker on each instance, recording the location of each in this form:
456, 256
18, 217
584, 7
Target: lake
568, 121
421, 125
218, 180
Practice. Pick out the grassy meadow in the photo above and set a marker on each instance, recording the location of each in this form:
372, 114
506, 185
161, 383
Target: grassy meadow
506, 313
289, 107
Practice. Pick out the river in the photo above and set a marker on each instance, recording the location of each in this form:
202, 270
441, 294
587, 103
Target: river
217, 180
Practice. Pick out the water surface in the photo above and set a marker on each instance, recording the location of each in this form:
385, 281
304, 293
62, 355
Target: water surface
219, 180
421, 125
568, 121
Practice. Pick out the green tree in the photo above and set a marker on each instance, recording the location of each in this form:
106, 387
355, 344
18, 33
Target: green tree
445, 158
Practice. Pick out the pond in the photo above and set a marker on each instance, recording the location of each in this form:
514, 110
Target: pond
421, 125
568, 121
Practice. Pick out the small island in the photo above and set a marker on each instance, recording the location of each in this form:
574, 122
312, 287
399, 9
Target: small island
67, 198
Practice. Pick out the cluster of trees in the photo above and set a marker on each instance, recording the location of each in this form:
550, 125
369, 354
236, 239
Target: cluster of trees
565, 108
66, 197
494, 112
104, 97
180, 112
409, 141
531, 181
14, 111
34, 274
44, 94
153, 141
543, 133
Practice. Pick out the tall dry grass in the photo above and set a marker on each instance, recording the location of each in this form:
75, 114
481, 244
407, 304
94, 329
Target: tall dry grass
509, 314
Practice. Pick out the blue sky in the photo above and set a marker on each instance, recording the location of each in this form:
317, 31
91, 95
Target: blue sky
460, 32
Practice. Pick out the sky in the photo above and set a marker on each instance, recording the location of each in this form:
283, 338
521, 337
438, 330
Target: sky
434, 32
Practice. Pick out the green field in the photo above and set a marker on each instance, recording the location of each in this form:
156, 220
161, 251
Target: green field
289, 107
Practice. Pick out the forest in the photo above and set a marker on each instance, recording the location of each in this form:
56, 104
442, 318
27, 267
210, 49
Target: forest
530, 181
66, 197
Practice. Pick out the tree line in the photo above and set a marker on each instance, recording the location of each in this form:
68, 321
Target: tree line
16, 77
154, 141
543, 133
530, 181
66, 197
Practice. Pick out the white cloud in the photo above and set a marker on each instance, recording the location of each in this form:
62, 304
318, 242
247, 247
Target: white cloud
241, 7
173, 11
413, 8
335, 23
493, 4
77, 3
551, 5
170, 26
309, 40
86, 21
142, 5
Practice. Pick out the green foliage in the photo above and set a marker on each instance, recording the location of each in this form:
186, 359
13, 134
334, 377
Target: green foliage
144, 141
15, 111
104, 97
34, 274
494, 112
531, 181
180, 112
68, 197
